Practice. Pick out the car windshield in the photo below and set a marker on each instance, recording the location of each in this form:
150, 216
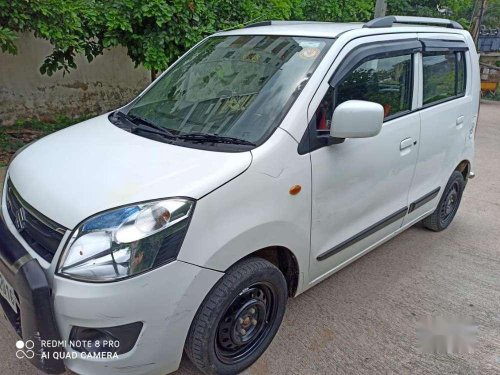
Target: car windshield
234, 86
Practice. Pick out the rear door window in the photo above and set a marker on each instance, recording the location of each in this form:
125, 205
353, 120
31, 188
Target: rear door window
444, 76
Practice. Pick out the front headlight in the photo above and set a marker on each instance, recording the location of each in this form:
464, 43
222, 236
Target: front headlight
126, 241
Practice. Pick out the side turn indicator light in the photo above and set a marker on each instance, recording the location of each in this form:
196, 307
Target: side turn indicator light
295, 189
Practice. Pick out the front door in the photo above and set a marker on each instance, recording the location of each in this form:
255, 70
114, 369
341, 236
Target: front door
360, 187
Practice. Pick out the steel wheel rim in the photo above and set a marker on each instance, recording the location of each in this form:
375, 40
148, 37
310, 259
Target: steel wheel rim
450, 203
253, 311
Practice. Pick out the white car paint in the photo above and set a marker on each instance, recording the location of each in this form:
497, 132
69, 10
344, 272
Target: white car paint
444, 131
265, 215
357, 119
165, 301
96, 166
243, 201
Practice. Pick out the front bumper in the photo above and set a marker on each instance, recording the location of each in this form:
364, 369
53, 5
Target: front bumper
35, 320
164, 300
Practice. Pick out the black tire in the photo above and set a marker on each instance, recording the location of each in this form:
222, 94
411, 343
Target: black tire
251, 299
448, 205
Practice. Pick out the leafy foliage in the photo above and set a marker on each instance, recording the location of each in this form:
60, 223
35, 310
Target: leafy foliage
157, 32
337, 11
7, 38
458, 10
492, 15
66, 24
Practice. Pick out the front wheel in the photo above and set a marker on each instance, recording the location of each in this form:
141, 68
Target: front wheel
442, 217
238, 319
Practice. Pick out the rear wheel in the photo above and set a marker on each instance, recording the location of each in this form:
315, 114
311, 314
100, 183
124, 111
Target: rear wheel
442, 217
238, 319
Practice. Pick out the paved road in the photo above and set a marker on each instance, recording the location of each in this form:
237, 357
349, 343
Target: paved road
363, 319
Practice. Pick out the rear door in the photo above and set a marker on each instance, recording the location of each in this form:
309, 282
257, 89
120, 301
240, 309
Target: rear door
360, 187
446, 117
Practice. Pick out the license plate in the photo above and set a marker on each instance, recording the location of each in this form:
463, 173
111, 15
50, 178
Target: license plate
7, 292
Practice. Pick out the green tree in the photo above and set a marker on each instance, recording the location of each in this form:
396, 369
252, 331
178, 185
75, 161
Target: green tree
66, 24
492, 15
458, 10
157, 32
232, 14
336, 11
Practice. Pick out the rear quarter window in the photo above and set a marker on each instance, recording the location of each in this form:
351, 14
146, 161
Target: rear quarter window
444, 76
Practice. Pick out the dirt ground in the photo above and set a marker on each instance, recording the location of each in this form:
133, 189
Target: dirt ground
363, 319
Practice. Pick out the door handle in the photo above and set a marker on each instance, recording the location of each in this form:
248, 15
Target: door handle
405, 143
460, 120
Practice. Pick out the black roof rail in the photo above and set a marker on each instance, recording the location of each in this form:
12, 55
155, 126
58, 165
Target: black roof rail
388, 21
271, 23
256, 24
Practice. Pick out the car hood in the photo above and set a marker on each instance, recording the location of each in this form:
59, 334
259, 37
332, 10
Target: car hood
94, 166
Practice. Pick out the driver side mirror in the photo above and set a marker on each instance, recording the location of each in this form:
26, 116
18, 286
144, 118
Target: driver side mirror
357, 119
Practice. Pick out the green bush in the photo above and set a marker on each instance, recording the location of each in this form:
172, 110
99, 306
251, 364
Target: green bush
157, 32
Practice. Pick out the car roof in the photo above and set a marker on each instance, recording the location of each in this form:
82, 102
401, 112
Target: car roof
327, 29
296, 28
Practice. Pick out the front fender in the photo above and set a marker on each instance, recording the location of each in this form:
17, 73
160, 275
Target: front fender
255, 211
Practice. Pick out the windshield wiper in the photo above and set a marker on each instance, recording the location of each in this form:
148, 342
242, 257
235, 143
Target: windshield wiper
145, 125
213, 138
141, 124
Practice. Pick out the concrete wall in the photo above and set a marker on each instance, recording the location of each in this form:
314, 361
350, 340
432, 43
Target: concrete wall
93, 88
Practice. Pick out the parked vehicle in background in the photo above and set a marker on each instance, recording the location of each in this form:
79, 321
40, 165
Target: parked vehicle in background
262, 162
489, 48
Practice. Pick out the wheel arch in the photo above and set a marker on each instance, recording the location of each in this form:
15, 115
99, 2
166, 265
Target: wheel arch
283, 258
464, 168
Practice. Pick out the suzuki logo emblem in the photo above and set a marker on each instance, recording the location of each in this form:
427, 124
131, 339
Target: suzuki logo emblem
20, 221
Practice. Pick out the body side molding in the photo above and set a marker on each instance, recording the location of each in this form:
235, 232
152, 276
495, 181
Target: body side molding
423, 200
363, 234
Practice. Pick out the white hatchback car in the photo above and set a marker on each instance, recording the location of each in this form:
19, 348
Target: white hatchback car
263, 161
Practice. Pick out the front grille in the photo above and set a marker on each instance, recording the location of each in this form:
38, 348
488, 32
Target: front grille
42, 234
